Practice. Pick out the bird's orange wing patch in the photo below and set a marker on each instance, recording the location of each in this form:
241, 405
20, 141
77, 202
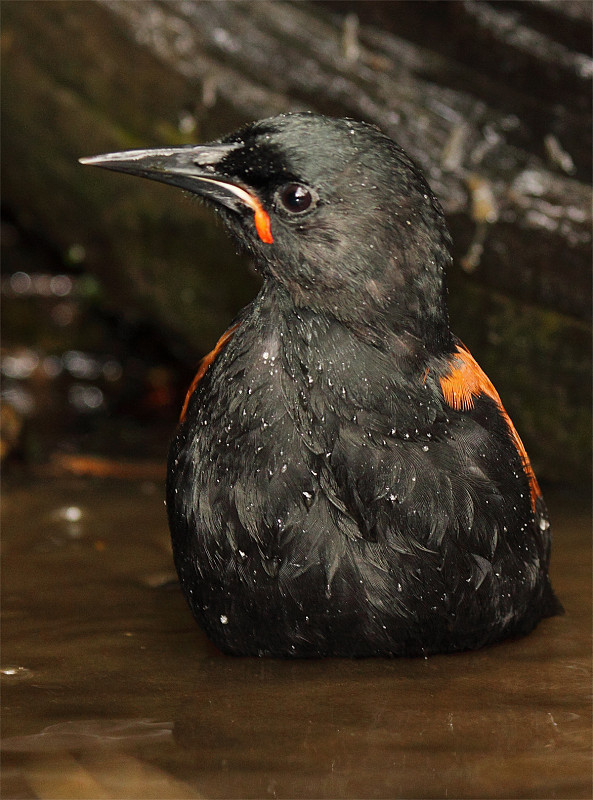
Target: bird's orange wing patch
466, 381
204, 364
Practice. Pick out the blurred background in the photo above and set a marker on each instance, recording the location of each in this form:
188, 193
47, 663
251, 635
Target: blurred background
113, 288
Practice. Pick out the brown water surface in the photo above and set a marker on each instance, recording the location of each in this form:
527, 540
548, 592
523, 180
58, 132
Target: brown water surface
110, 690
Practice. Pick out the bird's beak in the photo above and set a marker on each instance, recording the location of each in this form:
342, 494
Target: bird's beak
194, 168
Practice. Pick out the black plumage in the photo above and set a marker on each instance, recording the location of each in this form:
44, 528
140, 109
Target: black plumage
344, 480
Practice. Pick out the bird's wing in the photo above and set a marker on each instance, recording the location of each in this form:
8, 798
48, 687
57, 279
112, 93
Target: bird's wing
465, 381
204, 364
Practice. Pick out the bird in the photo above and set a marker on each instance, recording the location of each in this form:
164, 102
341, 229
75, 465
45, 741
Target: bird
344, 480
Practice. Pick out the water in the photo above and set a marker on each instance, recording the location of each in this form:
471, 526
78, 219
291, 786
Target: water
110, 690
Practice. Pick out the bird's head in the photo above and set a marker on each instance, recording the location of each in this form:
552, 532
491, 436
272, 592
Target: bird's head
331, 209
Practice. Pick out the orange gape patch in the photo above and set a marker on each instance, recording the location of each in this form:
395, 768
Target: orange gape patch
466, 381
262, 225
204, 364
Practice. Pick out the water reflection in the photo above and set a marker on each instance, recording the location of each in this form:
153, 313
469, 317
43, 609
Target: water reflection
88, 734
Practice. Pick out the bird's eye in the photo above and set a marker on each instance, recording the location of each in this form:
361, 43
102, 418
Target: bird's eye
296, 198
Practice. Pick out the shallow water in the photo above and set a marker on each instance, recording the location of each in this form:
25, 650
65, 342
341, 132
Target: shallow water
110, 690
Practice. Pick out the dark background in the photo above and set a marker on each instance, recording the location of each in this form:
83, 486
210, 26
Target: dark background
113, 288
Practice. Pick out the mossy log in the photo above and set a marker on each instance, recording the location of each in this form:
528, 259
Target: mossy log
491, 99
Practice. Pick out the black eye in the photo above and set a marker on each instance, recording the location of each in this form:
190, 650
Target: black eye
296, 198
